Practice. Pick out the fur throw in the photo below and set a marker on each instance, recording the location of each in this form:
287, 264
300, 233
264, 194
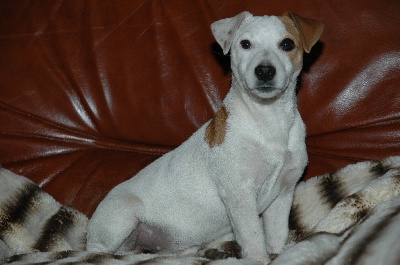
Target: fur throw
347, 217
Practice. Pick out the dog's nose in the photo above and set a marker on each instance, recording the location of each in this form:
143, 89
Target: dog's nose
265, 72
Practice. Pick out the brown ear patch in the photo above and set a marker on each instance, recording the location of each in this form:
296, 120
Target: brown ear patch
296, 56
216, 130
309, 29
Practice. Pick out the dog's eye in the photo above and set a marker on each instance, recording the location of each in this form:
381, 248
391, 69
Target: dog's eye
245, 44
287, 45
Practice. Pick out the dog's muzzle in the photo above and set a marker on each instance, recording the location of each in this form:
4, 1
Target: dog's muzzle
265, 74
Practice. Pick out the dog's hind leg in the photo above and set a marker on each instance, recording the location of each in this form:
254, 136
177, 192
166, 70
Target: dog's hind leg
114, 220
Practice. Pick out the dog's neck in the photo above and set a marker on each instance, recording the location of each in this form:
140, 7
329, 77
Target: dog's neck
284, 104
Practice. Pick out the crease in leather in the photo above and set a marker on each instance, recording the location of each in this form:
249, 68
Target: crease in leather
68, 135
375, 72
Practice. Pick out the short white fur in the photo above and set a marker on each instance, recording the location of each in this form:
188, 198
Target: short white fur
199, 192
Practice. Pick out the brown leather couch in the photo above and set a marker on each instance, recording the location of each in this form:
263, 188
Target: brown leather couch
93, 91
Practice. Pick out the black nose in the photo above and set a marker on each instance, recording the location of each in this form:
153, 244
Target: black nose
265, 72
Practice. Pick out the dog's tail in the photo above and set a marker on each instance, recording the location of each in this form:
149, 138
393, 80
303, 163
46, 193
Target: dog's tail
336, 201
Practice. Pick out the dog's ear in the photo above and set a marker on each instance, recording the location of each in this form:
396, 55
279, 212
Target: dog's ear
309, 29
224, 30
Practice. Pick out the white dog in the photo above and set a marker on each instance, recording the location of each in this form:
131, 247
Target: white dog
241, 165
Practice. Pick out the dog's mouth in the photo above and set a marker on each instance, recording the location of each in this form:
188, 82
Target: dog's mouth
265, 88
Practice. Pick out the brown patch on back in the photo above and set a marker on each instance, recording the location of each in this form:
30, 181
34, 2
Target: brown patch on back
216, 130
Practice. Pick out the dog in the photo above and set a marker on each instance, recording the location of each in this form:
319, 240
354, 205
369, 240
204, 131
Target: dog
238, 172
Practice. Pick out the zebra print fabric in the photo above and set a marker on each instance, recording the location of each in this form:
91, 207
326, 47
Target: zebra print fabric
31, 220
351, 216
348, 217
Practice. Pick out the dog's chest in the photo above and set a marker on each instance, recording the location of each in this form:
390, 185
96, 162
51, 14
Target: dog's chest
272, 154
279, 180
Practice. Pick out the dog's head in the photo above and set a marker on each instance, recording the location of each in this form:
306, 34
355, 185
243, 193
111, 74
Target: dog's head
267, 51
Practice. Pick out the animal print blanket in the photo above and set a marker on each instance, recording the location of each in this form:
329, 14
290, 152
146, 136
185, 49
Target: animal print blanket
351, 216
